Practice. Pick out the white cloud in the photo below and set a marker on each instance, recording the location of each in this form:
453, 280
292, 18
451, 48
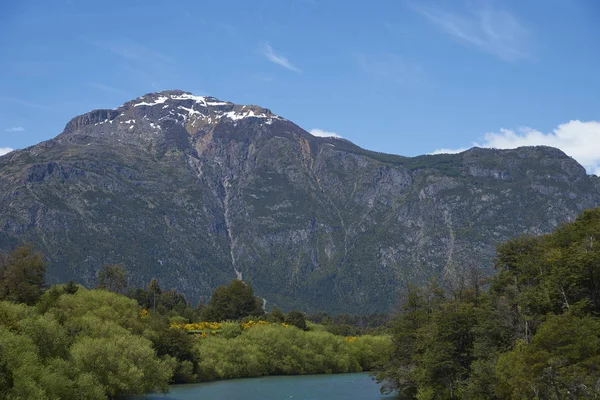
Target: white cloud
578, 139
322, 133
278, 59
447, 151
481, 26
4, 150
15, 129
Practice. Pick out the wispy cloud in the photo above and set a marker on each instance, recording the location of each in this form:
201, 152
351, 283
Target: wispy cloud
5, 150
15, 129
23, 103
480, 25
391, 68
143, 75
35, 68
107, 88
133, 51
271, 55
142, 62
578, 139
321, 133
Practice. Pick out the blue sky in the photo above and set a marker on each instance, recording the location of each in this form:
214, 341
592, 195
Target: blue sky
404, 76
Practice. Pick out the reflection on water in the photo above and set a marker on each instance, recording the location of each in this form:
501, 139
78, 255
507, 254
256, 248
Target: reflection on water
306, 387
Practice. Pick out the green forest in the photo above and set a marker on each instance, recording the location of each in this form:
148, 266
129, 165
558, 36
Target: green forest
69, 342
531, 331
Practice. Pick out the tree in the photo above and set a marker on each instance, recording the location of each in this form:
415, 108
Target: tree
113, 278
178, 344
71, 288
22, 275
276, 316
129, 364
407, 325
561, 362
233, 302
153, 292
444, 349
297, 319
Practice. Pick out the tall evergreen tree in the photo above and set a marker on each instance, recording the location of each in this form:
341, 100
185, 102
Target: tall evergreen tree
113, 278
22, 275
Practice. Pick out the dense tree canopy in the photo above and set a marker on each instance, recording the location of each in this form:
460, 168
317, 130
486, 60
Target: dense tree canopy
113, 278
86, 345
297, 319
233, 302
535, 334
74, 343
22, 275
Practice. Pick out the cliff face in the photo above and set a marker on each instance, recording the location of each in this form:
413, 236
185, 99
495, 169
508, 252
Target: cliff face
196, 191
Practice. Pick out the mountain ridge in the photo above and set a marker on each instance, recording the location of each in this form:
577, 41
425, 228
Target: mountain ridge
197, 191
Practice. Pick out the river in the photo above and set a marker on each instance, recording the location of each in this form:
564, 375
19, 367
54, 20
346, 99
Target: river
303, 387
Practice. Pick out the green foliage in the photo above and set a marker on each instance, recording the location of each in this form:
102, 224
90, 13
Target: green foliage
276, 315
124, 364
74, 310
534, 335
230, 330
444, 349
297, 319
21, 368
78, 346
113, 278
22, 275
233, 302
77, 343
50, 337
175, 343
371, 352
167, 302
154, 288
352, 325
51, 296
562, 361
12, 314
276, 350
70, 288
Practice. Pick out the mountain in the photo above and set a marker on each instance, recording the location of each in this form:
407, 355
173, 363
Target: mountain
197, 191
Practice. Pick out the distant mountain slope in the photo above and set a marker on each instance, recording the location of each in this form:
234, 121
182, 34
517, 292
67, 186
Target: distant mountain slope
196, 191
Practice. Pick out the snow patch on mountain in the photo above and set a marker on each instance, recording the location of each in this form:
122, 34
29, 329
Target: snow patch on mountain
159, 100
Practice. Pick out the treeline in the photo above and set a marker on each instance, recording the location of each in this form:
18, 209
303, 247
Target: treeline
352, 325
533, 334
530, 332
277, 349
91, 344
68, 342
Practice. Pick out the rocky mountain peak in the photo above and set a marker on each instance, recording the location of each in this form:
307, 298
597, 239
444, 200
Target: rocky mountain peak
197, 191
171, 106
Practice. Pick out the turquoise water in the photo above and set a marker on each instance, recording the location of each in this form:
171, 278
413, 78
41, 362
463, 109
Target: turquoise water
306, 387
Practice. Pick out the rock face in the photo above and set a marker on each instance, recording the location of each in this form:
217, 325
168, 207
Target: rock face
196, 191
